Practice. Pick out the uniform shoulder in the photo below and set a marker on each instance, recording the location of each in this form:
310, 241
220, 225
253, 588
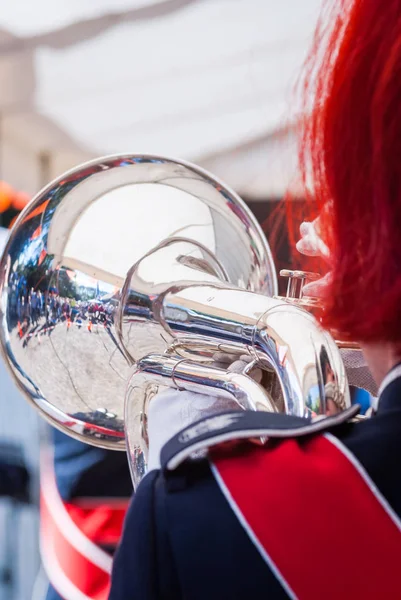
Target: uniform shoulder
197, 439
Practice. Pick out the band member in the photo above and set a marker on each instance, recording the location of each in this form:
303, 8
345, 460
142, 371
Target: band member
84, 497
314, 512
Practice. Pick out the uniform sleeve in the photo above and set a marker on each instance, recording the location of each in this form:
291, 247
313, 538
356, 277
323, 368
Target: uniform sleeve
142, 564
182, 540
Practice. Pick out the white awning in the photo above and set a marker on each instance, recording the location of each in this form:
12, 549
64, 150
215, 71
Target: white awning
182, 78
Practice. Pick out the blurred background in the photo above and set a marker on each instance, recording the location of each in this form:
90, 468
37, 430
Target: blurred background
209, 81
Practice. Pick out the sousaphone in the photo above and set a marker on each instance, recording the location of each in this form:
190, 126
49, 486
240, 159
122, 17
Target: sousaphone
135, 271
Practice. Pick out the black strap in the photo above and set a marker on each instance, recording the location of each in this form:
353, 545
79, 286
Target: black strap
236, 425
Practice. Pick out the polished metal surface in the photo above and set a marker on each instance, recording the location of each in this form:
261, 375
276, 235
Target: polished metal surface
133, 273
202, 320
189, 308
153, 373
66, 335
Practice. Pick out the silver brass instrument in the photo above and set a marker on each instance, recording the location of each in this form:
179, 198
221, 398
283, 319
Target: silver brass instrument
128, 275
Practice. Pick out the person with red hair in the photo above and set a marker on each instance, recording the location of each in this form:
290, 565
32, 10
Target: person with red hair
311, 514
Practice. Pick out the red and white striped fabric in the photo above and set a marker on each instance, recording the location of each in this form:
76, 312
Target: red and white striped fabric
315, 517
70, 538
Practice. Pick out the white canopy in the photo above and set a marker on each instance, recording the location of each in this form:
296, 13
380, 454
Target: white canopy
182, 78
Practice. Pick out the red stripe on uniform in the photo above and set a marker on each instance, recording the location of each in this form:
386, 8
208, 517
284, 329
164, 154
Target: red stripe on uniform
91, 581
315, 517
72, 535
103, 525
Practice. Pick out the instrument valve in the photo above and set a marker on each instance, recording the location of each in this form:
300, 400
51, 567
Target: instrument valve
295, 291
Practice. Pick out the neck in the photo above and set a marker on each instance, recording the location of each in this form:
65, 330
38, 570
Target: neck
381, 358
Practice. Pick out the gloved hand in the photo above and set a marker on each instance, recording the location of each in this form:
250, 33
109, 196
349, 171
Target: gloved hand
236, 364
311, 244
172, 410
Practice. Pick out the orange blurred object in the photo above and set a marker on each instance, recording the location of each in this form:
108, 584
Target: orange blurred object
7, 194
20, 200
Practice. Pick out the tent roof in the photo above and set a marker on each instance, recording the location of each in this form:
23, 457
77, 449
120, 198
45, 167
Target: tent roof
183, 78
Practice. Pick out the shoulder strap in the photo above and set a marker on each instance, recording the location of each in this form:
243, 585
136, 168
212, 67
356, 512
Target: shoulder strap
315, 517
237, 425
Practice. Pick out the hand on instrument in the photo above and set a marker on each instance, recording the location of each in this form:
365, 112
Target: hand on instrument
311, 244
172, 410
236, 364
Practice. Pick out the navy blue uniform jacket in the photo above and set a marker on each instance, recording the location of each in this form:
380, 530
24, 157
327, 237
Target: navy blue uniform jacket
168, 554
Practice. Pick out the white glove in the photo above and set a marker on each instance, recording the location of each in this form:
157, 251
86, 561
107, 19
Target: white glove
172, 410
311, 244
236, 365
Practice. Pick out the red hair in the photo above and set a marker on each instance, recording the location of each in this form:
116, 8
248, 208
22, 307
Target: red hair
350, 159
